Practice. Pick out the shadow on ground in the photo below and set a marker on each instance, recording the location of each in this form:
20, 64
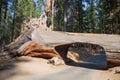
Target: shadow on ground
10, 69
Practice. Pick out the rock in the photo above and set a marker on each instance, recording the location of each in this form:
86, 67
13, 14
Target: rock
56, 61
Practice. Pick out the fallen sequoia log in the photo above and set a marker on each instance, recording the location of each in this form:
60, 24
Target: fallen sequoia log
48, 44
37, 40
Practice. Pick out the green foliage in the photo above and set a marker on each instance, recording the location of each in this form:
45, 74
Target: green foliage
109, 11
19, 11
24, 9
95, 16
99, 16
59, 15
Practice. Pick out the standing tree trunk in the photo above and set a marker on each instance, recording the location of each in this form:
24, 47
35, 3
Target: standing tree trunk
48, 12
65, 15
5, 14
14, 21
80, 16
52, 17
91, 16
31, 9
0, 12
3, 20
48, 6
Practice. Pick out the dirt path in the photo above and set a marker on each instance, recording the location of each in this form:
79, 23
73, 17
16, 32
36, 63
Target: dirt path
79, 73
27, 68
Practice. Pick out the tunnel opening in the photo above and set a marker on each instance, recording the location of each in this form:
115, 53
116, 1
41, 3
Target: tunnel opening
83, 54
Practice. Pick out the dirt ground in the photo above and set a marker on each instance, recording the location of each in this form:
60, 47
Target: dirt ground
25, 68
110, 74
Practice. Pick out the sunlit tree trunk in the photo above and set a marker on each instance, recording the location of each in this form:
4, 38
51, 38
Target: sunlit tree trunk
48, 6
52, 17
48, 12
65, 16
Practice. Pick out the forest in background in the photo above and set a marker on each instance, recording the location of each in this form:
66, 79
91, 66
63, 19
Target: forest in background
83, 16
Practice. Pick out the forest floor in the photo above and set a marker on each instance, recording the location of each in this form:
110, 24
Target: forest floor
28, 68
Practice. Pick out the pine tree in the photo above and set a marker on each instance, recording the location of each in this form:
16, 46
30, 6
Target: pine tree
59, 15
109, 11
90, 17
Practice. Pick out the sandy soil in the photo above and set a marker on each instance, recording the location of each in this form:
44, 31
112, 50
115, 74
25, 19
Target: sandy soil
27, 68
110, 74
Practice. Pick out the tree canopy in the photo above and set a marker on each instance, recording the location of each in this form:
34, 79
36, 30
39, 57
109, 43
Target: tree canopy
86, 16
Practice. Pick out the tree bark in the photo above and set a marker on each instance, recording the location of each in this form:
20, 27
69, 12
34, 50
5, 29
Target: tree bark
65, 15
48, 6
113, 59
10, 51
91, 15
80, 16
30, 43
48, 12
14, 21
0, 12
52, 17
5, 14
